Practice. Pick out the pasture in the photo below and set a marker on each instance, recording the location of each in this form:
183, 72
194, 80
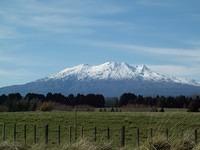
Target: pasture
175, 122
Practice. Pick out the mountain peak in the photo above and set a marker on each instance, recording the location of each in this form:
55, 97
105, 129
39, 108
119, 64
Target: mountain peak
142, 68
115, 64
108, 70
114, 71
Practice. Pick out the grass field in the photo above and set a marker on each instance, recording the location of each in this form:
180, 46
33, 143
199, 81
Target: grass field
178, 123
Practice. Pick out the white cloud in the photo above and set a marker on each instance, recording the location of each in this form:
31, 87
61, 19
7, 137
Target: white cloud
61, 16
190, 72
62, 24
179, 54
175, 69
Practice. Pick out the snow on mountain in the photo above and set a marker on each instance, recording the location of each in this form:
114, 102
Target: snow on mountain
115, 71
110, 79
108, 70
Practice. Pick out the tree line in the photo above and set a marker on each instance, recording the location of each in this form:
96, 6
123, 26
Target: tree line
192, 103
31, 101
16, 102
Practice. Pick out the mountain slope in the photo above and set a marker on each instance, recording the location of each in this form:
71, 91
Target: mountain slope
110, 79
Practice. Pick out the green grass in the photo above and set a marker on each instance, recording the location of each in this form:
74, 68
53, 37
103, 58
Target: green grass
178, 122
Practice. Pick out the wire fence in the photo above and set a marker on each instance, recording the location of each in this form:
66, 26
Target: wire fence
59, 134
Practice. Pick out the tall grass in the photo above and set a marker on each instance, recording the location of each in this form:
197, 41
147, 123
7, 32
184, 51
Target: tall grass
82, 144
155, 143
161, 143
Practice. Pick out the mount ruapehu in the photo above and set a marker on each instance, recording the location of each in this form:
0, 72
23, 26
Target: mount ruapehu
109, 79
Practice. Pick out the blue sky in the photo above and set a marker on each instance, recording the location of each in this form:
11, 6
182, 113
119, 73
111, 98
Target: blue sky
41, 37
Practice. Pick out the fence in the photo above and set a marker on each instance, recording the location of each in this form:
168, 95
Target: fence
16, 132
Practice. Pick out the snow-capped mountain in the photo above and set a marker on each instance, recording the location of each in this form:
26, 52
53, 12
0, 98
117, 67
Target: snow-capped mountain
115, 71
110, 79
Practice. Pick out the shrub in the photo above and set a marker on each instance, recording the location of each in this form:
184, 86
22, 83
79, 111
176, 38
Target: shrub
154, 109
193, 106
186, 143
112, 110
3, 108
157, 143
162, 110
46, 106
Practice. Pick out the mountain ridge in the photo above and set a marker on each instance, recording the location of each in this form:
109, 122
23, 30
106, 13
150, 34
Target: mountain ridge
133, 72
110, 79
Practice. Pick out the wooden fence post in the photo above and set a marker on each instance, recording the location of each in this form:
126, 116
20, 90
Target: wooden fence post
108, 133
151, 134
82, 132
95, 134
70, 134
123, 136
35, 134
46, 134
4, 132
195, 136
75, 125
182, 133
14, 133
59, 134
167, 134
138, 137
25, 133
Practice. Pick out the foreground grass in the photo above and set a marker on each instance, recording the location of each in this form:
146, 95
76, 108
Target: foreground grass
177, 122
80, 145
155, 143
